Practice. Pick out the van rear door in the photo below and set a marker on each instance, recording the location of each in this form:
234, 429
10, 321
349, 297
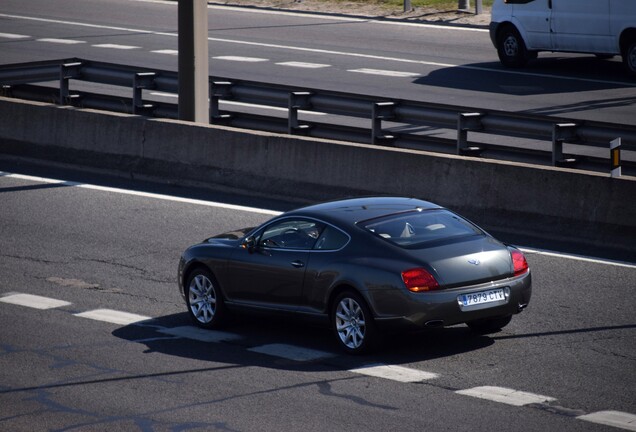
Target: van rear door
581, 26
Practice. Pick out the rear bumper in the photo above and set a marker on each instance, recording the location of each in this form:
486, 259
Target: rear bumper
442, 308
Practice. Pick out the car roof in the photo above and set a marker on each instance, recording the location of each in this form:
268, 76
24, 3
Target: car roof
351, 211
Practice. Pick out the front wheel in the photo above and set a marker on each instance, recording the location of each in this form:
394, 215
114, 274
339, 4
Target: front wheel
511, 48
204, 299
489, 325
353, 324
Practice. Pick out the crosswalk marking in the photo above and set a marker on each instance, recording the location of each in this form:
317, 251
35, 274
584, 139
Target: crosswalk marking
612, 418
34, 301
505, 395
395, 373
113, 316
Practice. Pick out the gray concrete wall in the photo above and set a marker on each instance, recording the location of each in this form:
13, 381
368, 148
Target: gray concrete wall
549, 202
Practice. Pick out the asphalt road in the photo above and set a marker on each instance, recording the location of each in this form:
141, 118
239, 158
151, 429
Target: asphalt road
373, 57
74, 366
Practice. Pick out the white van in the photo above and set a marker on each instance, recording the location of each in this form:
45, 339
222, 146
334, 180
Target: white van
519, 29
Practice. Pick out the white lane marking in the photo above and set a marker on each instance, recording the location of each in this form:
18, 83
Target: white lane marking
291, 352
612, 418
577, 257
505, 395
330, 52
303, 65
61, 41
34, 301
275, 213
166, 51
384, 72
395, 373
113, 316
241, 59
13, 36
195, 333
116, 46
143, 194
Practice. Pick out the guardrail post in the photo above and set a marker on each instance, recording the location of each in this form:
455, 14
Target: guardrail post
468, 122
615, 158
141, 81
6, 90
68, 71
219, 90
381, 111
297, 101
562, 132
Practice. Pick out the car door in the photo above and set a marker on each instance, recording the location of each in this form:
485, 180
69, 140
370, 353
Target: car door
581, 26
533, 20
271, 274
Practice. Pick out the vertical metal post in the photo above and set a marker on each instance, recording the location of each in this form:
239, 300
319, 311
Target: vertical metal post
561, 133
615, 158
193, 61
219, 90
407, 6
479, 7
381, 111
468, 122
463, 4
297, 100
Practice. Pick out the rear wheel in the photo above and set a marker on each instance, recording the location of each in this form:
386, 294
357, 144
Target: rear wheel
629, 57
489, 325
204, 299
353, 324
511, 48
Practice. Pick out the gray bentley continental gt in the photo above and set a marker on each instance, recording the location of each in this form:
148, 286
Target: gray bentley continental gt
362, 265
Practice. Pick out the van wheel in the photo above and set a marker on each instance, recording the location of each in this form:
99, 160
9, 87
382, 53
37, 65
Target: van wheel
511, 48
629, 57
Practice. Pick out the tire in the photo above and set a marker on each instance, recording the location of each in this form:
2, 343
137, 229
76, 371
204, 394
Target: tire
204, 299
629, 58
353, 324
489, 325
511, 48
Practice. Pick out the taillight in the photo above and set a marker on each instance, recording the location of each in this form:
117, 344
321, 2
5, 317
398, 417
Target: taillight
418, 280
519, 262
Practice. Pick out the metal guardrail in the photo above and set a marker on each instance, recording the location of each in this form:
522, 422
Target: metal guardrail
392, 122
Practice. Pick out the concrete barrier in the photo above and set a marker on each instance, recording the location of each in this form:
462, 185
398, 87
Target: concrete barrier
543, 201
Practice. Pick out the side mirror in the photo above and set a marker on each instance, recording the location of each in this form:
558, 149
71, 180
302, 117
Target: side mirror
249, 243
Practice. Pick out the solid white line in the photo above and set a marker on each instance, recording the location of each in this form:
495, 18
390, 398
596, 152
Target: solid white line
116, 46
275, 213
395, 373
577, 258
291, 352
113, 316
241, 59
195, 333
330, 52
384, 72
142, 194
505, 395
34, 301
61, 41
617, 419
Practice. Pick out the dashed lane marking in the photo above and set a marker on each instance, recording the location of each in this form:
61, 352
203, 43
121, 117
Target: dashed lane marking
202, 335
13, 36
384, 72
612, 418
395, 373
241, 59
34, 301
166, 51
505, 395
61, 41
291, 352
116, 46
303, 65
113, 316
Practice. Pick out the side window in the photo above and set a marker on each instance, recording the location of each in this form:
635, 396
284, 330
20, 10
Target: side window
291, 234
331, 239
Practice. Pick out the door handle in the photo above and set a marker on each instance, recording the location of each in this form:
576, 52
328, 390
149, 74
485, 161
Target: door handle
298, 264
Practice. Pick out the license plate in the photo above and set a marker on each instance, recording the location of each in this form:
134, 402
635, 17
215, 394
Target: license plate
482, 297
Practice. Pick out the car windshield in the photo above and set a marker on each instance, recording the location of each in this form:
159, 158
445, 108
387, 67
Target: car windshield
414, 228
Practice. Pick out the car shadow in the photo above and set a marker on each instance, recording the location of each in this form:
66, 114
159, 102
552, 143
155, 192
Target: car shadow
545, 75
241, 340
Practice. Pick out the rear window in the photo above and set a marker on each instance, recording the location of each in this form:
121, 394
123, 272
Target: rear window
415, 228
